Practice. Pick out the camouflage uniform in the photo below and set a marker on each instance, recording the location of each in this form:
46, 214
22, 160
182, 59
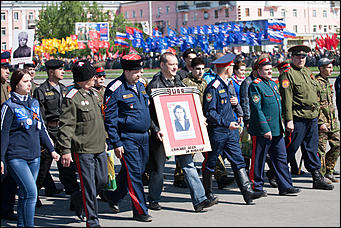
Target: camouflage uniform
5, 91
327, 116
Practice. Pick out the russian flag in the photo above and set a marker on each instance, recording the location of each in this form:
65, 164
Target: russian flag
122, 43
275, 36
276, 24
121, 36
288, 34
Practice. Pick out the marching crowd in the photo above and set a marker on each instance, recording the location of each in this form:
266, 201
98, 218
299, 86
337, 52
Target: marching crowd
251, 120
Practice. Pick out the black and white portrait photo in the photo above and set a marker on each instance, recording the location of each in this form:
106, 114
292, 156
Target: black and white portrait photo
23, 46
181, 120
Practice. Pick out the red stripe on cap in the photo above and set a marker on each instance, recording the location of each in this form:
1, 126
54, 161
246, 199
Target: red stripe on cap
99, 69
263, 60
4, 60
224, 64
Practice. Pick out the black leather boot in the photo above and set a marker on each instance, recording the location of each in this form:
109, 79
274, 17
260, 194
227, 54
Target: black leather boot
244, 185
318, 181
207, 183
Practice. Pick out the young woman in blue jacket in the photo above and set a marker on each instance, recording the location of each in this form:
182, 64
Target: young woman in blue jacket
22, 132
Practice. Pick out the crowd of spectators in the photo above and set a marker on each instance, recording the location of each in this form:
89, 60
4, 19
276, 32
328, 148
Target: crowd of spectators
151, 60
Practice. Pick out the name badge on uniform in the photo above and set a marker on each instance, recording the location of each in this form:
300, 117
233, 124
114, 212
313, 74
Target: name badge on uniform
39, 125
49, 93
222, 91
126, 96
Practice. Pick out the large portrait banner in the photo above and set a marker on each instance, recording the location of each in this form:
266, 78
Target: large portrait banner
181, 120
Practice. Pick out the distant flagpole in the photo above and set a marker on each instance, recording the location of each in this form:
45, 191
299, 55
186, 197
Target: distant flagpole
150, 18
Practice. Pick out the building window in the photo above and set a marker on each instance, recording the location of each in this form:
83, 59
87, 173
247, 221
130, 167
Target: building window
195, 16
3, 31
247, 12
16, 16
30, 16
167, 9
325, 28
295, 28
134, 14
272, 12
294, 12
283, 12
3, 16
141, 13
227, 14
186, 17
314, 28
259, 12
324, 13
3, 46
159, 11
126, 15
206, 15
314, 13
216, 13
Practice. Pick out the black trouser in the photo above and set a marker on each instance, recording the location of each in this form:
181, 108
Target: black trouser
44, 178
93, 175
7, 193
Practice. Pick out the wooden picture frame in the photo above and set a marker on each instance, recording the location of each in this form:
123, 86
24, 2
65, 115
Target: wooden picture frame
181, 120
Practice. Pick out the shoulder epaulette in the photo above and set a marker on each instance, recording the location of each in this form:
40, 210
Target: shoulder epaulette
257, 80
216, 84
114, 86
71, 93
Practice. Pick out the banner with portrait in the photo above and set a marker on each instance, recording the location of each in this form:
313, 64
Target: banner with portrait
181, 120
83, 30
23, 41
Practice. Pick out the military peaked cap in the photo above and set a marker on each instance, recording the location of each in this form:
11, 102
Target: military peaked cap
299, 50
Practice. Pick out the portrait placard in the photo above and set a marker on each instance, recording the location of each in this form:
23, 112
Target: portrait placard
23, 41
181, 120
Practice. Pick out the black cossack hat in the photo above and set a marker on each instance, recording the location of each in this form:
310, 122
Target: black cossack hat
83, 71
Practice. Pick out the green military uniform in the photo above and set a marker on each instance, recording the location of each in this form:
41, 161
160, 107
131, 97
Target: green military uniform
327, 116
5, 91
298, 89
81, 123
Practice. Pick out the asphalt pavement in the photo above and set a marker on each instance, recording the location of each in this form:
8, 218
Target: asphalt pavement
310, 208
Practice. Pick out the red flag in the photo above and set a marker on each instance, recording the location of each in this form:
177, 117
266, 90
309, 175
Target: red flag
116, 55
106, 44
123, 53
91, 44
130, 30
81, 45
101, 44
74, 37
132, 51
94, 35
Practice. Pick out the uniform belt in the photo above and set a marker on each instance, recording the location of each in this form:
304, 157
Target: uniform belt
312, 108
52, 123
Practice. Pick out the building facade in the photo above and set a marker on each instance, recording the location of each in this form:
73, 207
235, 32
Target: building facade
24, 14
308, 19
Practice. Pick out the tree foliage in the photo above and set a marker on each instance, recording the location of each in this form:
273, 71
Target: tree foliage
58, 20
